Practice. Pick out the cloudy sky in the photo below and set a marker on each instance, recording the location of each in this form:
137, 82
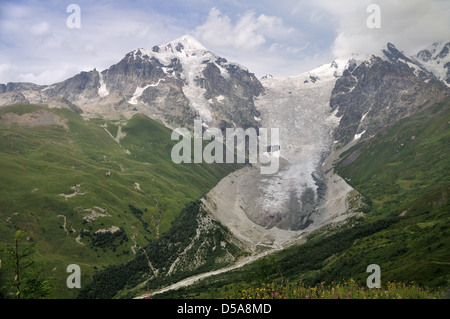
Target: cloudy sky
281, 37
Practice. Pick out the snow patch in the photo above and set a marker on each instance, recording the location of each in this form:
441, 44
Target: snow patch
437, 61
364, 116
102, 90
223, 72
193, 57
333, 119
139, 90
358, 136
47, 88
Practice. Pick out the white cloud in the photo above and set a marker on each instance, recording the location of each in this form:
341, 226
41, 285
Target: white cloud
409, 24
41, 29
248, 33
283, 38
261, 42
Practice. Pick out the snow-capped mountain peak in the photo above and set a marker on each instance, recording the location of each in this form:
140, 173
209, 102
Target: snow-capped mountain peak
196, 81
336, 68
181, 48
391, 54
436, 59
185, 43
436, 51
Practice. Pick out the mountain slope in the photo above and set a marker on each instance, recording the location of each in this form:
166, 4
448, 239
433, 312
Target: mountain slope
319, 114
277, 209
91, 192
101, 188
195, 244
404, 172
436, 58
380, 91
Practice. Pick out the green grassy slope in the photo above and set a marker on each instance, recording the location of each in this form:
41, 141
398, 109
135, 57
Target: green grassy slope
132, 185
403, 174
194, 244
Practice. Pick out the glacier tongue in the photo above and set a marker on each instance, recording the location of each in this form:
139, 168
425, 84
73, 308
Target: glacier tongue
273, 210
300, 109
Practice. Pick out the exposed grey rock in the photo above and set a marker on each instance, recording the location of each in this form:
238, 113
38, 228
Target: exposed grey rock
77, 89
436, 59
380, 91
12, 98
174, 83
61, 102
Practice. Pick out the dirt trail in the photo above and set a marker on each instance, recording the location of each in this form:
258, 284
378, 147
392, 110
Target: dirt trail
194, 279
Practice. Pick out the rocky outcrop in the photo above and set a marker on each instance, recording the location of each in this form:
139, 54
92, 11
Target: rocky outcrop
12, 98
380, 91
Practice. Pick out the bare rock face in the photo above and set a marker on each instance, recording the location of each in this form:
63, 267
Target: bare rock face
380, 91
436, 59
78, 88
12, 98
175, 83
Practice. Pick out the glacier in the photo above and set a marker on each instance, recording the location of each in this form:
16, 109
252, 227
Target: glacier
271, 211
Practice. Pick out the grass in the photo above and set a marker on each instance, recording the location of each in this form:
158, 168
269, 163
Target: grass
343, 290
40, 163
187, 249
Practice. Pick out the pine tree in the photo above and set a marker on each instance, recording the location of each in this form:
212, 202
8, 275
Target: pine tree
19, 277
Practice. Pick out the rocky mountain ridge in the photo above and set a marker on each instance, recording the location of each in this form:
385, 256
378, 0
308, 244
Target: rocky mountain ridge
174, 83
380, 91
436, 59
